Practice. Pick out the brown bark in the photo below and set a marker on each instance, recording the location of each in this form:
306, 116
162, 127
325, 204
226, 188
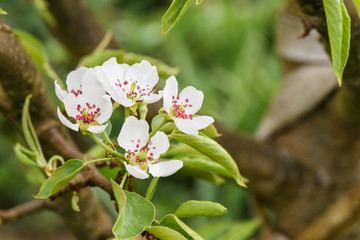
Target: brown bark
20, 77
76, 27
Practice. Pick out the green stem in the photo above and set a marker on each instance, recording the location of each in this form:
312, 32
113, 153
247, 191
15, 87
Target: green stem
123, 180
106, 137
172, 133
151, 189
97, 160
158, 127
103, 145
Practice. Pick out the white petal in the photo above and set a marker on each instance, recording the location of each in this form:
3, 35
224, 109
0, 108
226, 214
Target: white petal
105, 110
153, 97
144, 73
170, 91
136, 171
96, 128
60, 93
134, 134
70, 103
158, 144
66, 122
186, 126
120, 97
75, 78
166, 168
195, 98
91, 79
202, 121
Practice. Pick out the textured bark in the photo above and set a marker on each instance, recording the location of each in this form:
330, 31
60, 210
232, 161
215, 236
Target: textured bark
20, 77
76, 27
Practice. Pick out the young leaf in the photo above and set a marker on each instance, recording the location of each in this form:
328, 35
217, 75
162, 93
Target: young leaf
198, 2
2, 12
195, 208
165, 233
338, 23
210, 131
213, 150
171, 221
59, 178
137, 214
157, 120
24, 155
75, 202
173, 14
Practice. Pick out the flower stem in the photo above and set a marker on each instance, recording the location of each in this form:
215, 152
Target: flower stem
106, 137
164, 121
151, 189
123, 180
103, 145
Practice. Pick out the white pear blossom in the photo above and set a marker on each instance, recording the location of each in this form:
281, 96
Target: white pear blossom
86, 103
129, 85
142, 156
182, 108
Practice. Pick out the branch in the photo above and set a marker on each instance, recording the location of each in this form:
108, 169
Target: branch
24, 210
76, 27
337, 220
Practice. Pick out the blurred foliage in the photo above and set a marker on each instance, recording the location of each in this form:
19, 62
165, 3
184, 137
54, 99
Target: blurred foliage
222, 47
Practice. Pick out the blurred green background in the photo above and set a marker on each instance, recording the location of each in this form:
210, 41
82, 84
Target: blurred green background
222, 47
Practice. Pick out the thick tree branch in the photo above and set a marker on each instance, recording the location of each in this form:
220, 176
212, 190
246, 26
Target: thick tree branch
76, 27
20, 77
24, 210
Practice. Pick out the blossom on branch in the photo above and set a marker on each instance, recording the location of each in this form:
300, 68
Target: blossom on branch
182, 108
142, 156
85, 101
129, 85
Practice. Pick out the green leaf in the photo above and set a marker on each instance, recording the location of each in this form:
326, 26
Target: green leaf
242, 230
60, 177
24, 155
164, 70
137, 214
210, 131
2, 12
357, 6
171, 221
173, 14
195, 208
120, 196
165, 233
157, 120
75, 202
151, 189
213, 150
338, 23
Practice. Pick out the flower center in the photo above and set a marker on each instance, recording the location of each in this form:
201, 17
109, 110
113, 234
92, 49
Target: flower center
87, 114
178, 108
136, 92
140, 156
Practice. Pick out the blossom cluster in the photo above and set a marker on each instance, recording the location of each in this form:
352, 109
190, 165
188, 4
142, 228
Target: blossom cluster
89, 99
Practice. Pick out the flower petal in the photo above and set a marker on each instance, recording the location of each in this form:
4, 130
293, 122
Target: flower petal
136, 171
105, 110
60, 93
66, 122
134, 134
158, 144
70, 103
194, 98
75, 79
170, 91
202, 121
166, 168
96, 128
144, 73
153, 97
186, 126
